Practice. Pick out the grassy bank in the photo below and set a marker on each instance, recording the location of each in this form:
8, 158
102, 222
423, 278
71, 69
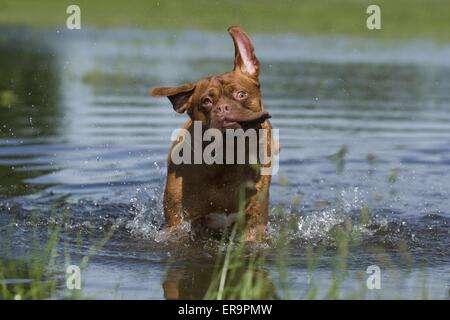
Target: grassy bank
408, 19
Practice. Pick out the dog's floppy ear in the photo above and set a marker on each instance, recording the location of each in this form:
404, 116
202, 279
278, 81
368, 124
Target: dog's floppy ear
180, 96
245, 59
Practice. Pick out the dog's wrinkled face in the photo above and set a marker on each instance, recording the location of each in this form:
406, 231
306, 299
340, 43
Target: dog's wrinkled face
229, 101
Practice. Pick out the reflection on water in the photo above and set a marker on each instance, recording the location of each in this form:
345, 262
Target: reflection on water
361, 125
192, 280
189, 282
29, 85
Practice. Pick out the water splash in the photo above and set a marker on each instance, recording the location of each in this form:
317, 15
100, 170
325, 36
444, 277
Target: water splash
147, 209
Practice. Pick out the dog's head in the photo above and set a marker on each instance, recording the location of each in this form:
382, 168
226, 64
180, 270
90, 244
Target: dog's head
228, 101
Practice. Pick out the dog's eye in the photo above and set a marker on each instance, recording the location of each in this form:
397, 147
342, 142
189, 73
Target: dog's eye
206, 102
241, 95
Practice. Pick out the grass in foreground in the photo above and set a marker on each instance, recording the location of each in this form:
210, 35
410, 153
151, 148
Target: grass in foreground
40, 275
242, 270
400, 18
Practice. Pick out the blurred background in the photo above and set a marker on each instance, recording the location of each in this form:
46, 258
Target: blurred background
364, 128
401, 18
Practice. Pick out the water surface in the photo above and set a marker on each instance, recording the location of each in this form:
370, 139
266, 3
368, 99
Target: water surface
362, 125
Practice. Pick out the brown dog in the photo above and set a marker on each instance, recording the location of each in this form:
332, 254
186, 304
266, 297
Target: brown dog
211, 194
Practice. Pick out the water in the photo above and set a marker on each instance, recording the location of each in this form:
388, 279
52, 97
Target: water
362, 125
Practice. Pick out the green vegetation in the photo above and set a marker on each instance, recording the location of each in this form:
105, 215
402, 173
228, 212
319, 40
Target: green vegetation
393, 175
7, 98
41, 275
400, 18
31, 279
339, 158
240, 274
242, 271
